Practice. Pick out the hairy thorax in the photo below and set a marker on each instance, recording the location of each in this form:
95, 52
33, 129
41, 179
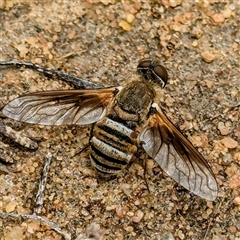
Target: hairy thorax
134, 101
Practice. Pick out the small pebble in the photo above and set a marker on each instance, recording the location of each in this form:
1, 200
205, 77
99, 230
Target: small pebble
227, 159
138, 216
129, 229
232, 7
121, 211
14, 233
237, 200
237, 156
207, 56
130, 18
232, 229
11, 206
32, 40
224, 129
218, 18
174, 3
125, 25
234, 182
231, 170
181, 235
227, 13
195, 43
167, 236
209, 83
84, 212
229, 142
71, 34
130, 214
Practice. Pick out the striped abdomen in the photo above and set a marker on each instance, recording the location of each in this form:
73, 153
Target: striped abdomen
112, 145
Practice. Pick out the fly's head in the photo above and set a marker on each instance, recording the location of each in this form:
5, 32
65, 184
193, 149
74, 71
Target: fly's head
153, 72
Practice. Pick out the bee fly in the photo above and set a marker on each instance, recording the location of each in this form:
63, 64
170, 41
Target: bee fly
124, 118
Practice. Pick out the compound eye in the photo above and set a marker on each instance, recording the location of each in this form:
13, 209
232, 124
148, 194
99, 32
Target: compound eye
161, 73
143, 68
144, 64
153, 72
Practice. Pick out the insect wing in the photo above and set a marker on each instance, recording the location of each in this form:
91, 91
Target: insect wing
61, 107
177, 156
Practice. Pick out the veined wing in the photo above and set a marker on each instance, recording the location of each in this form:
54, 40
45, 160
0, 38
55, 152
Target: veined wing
61, 107
177, 156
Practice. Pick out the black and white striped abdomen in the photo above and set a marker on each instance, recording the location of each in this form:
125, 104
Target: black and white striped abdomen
112, 146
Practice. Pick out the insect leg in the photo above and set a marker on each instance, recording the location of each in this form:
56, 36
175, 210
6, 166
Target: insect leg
145, 172
82, 150
78, 82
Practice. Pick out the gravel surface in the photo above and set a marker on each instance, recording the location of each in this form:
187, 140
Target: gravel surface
102, 41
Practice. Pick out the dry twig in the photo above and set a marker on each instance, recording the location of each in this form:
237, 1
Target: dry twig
42, 185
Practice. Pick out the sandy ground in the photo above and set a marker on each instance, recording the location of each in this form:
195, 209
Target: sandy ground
102, 41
